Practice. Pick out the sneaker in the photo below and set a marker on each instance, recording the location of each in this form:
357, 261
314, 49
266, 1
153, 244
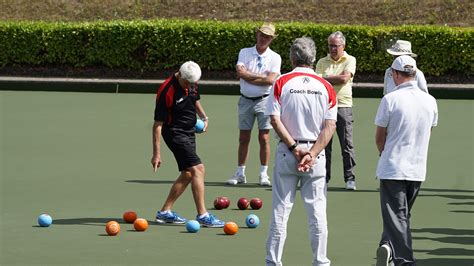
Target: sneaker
383, 255
351, 185
237, 179
210, 221
264, 180
170, 218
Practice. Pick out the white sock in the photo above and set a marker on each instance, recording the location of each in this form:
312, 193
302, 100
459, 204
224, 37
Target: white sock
163, 212
203, 215
263, 169
240, 170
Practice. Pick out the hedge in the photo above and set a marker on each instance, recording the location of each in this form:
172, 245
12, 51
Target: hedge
164, 44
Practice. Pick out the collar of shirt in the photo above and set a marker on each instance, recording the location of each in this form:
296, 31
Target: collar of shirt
343, 57
255, 52
408, 84
304, 70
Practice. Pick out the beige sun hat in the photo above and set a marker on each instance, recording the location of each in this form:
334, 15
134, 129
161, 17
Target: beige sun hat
268, 29
401, 47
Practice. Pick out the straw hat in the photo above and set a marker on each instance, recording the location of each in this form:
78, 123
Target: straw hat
268, 29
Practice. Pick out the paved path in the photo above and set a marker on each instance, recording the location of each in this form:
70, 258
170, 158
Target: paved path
217, 87
202, 82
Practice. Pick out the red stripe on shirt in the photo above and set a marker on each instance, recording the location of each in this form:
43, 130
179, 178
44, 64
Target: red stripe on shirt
285, 78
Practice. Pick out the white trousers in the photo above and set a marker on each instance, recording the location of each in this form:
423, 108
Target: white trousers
313, 192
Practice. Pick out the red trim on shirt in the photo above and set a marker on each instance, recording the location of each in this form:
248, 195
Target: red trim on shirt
163, 86
329, 88
285, 78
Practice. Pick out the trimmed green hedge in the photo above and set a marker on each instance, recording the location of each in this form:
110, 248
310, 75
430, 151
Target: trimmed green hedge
165, 44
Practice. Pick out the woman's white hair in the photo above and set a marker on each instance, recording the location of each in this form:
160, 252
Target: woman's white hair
190, 71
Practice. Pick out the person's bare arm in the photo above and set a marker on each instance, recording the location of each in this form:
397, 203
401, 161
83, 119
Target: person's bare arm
202, 115
309, 158
266, 79
156, 134
342, 78
380, 138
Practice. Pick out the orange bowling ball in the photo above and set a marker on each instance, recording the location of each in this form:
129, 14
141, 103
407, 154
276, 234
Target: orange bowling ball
140, 224
129, 217
112, 228
231, 228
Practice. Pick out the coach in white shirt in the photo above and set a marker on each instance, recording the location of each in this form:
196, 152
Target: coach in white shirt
404, 121
303, 112
399, 48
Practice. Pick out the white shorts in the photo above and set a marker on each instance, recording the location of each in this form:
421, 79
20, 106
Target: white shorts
251, 109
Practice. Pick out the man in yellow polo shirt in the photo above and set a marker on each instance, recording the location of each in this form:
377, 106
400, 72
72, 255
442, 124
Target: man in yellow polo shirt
338, 67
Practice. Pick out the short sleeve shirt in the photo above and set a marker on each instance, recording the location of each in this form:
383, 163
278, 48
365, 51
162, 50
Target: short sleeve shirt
175, 106
408, 114
389, 84
304, 101
327, 66
268, 62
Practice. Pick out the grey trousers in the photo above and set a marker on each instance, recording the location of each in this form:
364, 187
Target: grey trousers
344, 133
396, 200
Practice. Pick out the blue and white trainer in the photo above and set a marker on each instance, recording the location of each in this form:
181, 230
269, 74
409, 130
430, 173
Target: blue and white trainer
169, 218
210, 221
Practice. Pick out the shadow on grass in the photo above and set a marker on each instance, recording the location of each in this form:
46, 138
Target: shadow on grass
211, 184
448, 251
449, 239
462, 203
444, 262
87, 221
447, 190
445, 231
449, 196
240, 186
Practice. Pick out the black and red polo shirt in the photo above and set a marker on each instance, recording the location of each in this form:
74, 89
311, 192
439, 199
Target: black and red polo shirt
176, 106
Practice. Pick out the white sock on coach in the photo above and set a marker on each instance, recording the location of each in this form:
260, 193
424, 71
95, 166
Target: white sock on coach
263, 169
241, 170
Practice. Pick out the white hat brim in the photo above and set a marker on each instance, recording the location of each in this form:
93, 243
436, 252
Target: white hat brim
392, 52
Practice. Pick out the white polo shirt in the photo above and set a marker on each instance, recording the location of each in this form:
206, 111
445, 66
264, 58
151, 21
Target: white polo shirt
265, 63
304, 93
408, 113
389, 84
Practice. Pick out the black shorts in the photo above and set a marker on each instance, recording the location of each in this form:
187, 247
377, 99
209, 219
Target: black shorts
183, 146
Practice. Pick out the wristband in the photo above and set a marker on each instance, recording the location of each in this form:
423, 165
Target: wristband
292, 147
205, 118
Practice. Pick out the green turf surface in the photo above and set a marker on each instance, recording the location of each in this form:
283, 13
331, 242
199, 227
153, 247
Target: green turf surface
84, 159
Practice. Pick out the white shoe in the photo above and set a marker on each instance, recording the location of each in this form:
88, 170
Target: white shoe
264, 180
351, 185
237, 179
383, 255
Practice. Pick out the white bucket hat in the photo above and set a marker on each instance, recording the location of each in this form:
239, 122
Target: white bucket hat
401, 47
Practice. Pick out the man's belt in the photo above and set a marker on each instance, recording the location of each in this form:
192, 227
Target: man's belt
255, 98
304, 141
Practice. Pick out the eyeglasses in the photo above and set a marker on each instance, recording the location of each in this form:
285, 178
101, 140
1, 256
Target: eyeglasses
334, 45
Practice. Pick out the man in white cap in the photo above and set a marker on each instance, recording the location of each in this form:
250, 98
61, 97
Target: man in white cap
177, 104
404, 122
257, 67
402, 47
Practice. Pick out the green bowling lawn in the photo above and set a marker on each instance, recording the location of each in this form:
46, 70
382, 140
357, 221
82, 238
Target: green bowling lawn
84, 158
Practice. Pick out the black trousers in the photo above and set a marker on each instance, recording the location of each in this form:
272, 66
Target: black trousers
396, 200
344, 133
